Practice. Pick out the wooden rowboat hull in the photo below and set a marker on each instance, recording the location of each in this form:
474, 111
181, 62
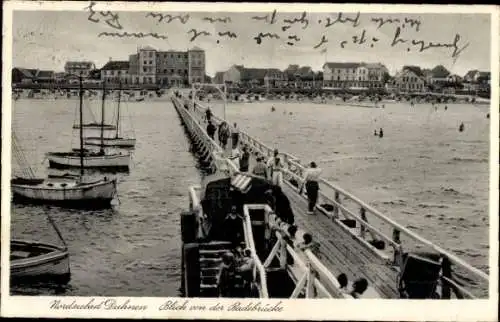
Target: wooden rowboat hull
44, 262
96, 126
72, 160
92, 195
118, 142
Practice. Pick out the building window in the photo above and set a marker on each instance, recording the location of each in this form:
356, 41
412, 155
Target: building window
145, 69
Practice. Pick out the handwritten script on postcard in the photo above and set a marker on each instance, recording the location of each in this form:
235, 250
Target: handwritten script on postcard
403, 32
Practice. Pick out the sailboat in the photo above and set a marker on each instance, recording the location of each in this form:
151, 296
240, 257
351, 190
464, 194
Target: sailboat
34, 260
94, 125
118, 140
87, 158
70, 193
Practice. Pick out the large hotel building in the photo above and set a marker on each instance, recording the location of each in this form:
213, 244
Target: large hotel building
150, 66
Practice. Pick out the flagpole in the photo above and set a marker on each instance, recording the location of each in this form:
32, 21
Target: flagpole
326, 59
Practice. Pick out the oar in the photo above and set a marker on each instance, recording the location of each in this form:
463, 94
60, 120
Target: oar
57, 231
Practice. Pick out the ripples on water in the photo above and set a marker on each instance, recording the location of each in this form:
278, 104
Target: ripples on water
423, 173
133, 249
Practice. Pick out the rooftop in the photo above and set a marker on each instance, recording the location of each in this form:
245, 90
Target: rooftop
254, 73
196, 48
342, 65
415, 70
440, 72
147, 48
79, 64
471, 73
116, 65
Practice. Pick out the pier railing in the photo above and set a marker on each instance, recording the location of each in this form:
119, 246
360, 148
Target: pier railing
369, 226
259, 272
311, 273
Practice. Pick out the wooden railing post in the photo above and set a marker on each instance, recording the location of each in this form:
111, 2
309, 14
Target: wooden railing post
446, 271
363, 217
282, 252
336, 211
396, 237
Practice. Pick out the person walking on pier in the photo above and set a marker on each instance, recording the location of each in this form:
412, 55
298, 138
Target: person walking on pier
282, 206
223, 134
275, 167
244, 160
310, 181
208, 114
211, 130
233, 228
235, 135
235, 157
260, 168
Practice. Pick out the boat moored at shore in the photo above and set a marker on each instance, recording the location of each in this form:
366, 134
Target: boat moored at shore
63, 160
67, 193
111, 142
34, 261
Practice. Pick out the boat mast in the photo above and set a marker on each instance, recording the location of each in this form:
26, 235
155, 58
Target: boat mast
81, 127
102, 116
118, 112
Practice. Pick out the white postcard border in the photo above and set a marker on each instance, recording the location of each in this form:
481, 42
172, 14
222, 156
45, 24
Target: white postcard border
451, 310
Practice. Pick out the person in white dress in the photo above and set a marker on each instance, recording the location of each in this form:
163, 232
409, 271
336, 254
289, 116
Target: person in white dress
235, 157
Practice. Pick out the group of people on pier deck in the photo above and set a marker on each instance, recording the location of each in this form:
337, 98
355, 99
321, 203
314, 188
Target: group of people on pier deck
272, 169
235, 278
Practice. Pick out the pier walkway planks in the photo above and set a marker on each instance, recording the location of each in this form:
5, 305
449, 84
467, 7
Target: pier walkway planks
338, 251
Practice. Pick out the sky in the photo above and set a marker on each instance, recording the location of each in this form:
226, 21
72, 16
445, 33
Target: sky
47, 39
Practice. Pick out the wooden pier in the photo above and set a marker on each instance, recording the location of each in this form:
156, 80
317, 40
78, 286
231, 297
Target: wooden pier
354, 238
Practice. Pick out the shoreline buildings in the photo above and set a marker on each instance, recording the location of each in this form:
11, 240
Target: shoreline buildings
355, 75
150, 68
165, 68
